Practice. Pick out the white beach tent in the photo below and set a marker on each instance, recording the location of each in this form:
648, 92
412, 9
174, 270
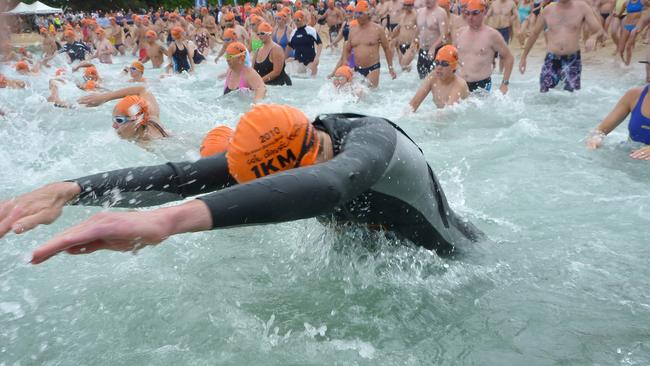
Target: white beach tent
35, 8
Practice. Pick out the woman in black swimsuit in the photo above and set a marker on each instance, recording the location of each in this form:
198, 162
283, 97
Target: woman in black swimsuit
269, 60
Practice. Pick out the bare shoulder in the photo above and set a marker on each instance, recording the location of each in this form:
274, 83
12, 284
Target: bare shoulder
632, 96
461, 84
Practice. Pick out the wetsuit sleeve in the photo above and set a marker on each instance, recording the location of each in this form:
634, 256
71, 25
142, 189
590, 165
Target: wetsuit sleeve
154, 185
309, 191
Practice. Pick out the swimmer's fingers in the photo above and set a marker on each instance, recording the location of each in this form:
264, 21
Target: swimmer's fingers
89, 232
44, 217
9, 213
641, 154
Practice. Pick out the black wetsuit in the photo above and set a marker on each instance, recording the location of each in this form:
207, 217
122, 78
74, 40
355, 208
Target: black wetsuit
303, 40
265, 67
76, 51
378, 178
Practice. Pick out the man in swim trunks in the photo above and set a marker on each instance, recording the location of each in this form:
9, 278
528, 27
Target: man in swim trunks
333, 18
155, 50
503, 14
365, 41
344, 169
405, 34
477, 46
242, 34
563, 21
104, 49
432, 24
445, 86
394, 11
118, 35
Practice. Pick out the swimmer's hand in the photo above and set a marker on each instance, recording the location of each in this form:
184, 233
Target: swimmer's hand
38, 207
522, 65
590, 44
595, 139
92, 100
641, 154
126, 231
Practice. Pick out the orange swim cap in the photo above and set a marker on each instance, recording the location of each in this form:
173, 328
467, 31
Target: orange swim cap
22, 66
216, 141
271, 138
448, 53
43, 30
476, 5
60, 71
235, 49
344, 71
350, 7
362, 7
409, 2
90, 85
68, 33
91, 72
138, 65
229, 17
151, 34
265, 27
298, 4
177, 32
256, 11
354, 23
3, 81
133, 106
299, 15
443, 4
188, 18
229, 33
255, 19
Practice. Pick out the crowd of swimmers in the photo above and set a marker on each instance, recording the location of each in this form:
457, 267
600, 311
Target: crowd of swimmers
457, 48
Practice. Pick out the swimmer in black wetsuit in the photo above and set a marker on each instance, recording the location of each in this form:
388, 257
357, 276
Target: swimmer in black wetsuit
342, 169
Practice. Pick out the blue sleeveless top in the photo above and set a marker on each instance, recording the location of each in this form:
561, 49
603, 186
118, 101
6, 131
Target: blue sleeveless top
639, 126
634, 7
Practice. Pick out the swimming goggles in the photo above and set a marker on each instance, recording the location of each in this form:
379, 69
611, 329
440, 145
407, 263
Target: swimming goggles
340, 78
133, 69
442, 63
261, 34
359, 13
227, 40
228, 57
122, 119
472, 12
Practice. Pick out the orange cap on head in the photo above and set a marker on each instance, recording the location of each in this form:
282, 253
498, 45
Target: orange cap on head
43, 30
409, 2
3, 81
354, 23
236, 49
255, 19
292, 142
138, 65
177, 32
344, 71
265, 27
60, 71
91, 72
256, 11
299, 15
68, 33
229, 33
350, 7
362, 7
151, 34
133, 106
443, 4
90, 85
216, 141
298, 4
22, 66
229, 17
448, 53
473, 5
